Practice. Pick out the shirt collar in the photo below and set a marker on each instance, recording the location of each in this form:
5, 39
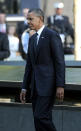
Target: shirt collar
58, 17
40, 30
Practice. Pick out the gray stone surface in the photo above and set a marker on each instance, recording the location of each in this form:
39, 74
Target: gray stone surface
71, 120
57, 119
17, 117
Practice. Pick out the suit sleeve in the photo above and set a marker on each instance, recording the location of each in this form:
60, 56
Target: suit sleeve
28, 71
58, 60
5, 52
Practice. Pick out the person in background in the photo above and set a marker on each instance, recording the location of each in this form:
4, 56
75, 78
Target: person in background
25, 40
4, 46
3, 25
21, 27
60, 23
13, 44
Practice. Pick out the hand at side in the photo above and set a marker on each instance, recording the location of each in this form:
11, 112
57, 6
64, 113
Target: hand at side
23, 96
60, 93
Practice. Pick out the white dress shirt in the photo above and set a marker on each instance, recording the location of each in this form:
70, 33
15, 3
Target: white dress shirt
39, 32
13, 46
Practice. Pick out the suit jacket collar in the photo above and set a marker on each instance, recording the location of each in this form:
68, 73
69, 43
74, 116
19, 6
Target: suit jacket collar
40, 30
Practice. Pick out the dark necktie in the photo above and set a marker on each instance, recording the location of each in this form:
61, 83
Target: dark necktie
36, 34
35, 43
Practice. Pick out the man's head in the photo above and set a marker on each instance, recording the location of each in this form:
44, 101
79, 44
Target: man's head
25, 12
2, 17
35, 19
59, 8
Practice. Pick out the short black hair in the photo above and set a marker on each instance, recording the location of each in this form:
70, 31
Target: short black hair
38, 12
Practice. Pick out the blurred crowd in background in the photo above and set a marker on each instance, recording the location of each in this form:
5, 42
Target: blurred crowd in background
14, 39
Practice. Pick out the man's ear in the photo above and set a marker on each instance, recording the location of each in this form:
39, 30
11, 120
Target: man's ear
41, 18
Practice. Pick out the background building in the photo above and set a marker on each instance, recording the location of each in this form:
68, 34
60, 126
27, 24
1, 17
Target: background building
47, 6
14, 7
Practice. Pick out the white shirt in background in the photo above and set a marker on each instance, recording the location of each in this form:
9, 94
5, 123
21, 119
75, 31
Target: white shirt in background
14, 46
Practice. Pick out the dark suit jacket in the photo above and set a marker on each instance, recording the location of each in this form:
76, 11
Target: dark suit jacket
4, 46
21, 27
46, 69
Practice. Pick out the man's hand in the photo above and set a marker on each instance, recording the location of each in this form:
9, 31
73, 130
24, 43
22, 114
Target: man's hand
23, 96
60, 93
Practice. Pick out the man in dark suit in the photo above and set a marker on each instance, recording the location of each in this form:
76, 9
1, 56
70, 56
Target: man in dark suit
3, 24
4, 46
21, 27
45, 71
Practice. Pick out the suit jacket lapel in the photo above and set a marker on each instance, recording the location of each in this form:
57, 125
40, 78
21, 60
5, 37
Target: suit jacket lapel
40, 42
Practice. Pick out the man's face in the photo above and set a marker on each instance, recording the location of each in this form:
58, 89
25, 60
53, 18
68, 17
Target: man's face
34, 21
12, 30
59, 11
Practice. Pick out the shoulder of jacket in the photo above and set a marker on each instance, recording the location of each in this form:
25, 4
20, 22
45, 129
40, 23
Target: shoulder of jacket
51, 17
65, 17
3, 34
26, 31
50, 31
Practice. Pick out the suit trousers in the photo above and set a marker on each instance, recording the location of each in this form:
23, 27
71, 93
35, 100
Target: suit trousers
42, 112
